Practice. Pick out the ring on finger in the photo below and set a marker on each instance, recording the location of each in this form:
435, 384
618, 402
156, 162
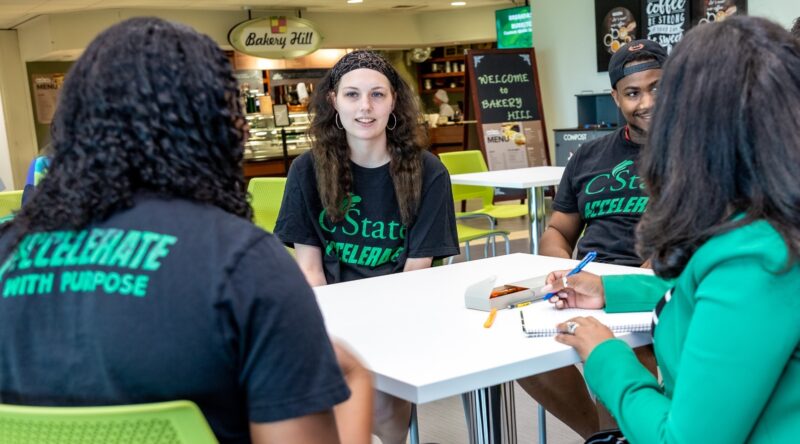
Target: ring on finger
564, 281
571, 327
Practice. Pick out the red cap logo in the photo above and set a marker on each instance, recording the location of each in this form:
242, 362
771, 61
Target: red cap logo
636, 47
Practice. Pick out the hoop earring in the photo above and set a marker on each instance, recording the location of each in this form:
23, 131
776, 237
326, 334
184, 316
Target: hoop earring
395, 123
337, 121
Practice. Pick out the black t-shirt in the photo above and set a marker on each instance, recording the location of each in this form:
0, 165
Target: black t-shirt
371, 240
601, 183
167, 300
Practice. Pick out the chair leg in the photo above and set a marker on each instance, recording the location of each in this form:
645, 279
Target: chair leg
492, 224
466, 247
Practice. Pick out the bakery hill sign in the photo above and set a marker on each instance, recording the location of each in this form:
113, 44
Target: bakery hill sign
275, 37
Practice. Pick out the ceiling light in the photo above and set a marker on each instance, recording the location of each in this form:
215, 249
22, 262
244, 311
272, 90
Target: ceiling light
458, 3
355, 1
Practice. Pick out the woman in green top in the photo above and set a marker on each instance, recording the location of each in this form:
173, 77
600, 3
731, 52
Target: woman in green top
723, 231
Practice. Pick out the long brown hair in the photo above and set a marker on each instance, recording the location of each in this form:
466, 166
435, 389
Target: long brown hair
331, 152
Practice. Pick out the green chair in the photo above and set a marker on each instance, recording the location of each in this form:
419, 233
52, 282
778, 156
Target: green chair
467, 234
10, 201
174, 422
266, 194
471, 161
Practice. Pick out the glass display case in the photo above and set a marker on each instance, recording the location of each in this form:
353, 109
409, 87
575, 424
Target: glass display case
265, 139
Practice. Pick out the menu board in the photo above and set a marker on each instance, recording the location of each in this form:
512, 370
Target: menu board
504, 89
616, 23
665, 21
709, 11
46, 89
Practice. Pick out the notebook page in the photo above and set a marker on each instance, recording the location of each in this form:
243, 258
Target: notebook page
541, 319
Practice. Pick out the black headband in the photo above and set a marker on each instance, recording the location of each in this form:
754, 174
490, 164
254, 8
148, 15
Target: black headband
362, 59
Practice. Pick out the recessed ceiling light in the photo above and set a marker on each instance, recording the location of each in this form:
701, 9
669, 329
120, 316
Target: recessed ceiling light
458, 3
355, 1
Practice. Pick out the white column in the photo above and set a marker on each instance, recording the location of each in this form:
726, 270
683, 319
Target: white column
17, 134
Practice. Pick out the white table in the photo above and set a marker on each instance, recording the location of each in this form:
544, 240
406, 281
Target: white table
532, 179
422, 345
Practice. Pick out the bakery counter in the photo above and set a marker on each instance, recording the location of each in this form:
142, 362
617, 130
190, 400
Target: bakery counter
446, 138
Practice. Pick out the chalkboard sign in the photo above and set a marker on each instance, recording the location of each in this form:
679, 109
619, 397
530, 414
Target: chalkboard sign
504, 91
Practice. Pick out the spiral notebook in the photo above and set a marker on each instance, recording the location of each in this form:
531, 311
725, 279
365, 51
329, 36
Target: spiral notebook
540, 319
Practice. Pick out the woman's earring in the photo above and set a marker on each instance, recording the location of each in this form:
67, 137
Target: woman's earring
337, 122
395, 123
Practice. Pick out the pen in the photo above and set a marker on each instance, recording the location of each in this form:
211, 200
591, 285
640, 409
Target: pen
588, 258
520, 305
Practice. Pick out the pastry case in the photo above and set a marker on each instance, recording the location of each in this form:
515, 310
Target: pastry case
264, 153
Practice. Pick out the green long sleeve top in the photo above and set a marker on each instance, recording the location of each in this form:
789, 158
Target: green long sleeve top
726, 344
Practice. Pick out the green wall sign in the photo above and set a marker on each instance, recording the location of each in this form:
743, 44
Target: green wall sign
277, 37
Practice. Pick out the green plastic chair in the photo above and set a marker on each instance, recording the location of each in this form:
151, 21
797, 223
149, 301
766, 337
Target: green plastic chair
174, 422
471, 161
467, 234
10, 201
266, 197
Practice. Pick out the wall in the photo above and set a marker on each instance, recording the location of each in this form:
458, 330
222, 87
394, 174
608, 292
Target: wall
563, 35
18, 147
6, 175
56, 36
563, 38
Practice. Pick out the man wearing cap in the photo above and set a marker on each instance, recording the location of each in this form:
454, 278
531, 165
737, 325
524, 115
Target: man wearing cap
601, 195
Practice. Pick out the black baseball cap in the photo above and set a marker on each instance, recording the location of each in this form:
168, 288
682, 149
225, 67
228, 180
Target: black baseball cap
632, 50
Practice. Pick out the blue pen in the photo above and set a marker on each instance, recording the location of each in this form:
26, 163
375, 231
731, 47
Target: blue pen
588, 258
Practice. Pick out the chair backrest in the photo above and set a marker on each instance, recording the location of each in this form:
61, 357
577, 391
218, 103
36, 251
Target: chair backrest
462, 162
10, 201
174, 422
266, 197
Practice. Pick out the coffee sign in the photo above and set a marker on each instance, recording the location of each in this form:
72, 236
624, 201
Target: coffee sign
665, 21
277, 37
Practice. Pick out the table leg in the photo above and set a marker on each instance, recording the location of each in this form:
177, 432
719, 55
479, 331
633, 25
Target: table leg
413, 428
490, 415
536, 212
542, 425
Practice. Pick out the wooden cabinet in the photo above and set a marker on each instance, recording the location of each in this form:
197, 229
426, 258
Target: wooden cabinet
445, 73
445, 69
446, 138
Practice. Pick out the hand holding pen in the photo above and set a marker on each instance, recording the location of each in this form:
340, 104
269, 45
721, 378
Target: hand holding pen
574, 288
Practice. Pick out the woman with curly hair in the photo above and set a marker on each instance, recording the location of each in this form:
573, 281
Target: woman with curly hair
723, 231
368, 200
134, 273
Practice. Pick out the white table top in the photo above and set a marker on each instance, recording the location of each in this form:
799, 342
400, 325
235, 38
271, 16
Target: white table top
516, 178
413, 331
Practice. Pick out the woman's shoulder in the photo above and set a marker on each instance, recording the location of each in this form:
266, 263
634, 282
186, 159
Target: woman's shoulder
302, 170
303, 162
431, 165
757, 241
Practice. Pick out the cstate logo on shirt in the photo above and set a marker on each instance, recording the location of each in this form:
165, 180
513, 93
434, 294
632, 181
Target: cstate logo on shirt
360, 238
615, 188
